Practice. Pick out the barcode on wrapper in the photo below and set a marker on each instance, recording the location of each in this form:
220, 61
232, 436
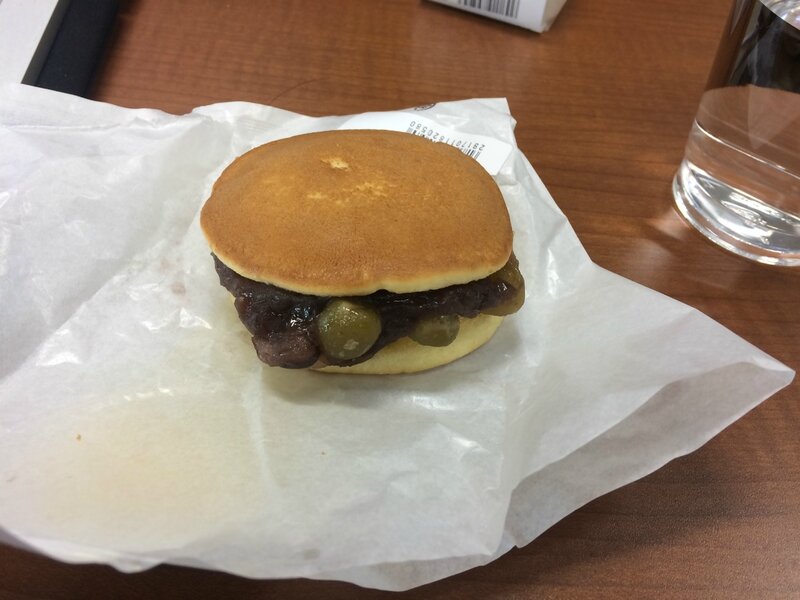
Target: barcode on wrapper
490, 152
506, 8
470, 148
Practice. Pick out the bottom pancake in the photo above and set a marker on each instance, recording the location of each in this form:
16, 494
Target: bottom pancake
406, 356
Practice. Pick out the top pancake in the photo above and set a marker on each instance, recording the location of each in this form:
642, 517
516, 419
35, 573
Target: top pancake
350, 212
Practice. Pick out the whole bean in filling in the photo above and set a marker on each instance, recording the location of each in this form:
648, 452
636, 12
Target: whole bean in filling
294, 330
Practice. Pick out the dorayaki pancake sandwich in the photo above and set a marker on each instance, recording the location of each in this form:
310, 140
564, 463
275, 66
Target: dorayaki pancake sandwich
363, 251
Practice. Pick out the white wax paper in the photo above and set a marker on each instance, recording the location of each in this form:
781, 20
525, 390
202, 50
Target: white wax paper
138, 427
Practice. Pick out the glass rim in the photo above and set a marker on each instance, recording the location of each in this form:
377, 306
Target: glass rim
787, 10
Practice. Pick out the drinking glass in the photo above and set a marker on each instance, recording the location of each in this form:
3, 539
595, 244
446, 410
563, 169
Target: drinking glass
739, 182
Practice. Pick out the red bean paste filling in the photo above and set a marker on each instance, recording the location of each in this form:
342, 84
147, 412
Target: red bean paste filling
284, 323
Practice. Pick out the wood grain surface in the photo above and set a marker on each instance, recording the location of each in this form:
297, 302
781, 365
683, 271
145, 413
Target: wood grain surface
604, 102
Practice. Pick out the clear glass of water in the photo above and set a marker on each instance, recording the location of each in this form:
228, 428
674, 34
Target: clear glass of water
739, 182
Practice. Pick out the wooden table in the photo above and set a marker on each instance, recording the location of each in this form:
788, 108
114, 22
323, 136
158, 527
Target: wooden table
604, 102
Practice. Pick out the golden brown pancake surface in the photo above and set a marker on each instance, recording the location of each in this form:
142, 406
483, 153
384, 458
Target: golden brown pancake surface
351, 212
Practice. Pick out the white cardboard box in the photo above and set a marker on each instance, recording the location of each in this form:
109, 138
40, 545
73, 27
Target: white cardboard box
536, 15
27, 29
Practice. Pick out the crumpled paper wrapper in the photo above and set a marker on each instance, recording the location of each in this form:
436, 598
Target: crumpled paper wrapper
139, 428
